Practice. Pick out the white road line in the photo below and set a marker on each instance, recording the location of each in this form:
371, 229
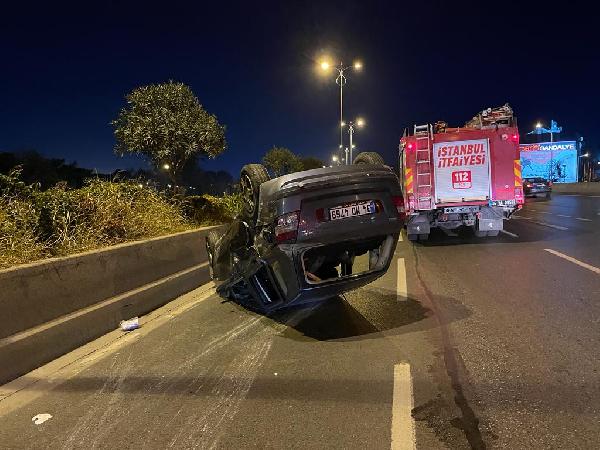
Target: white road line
544, 212
403, 424
583, 220
401, 290
509, 233
574, 261
571, 195
557, 227
522, 217
563, 215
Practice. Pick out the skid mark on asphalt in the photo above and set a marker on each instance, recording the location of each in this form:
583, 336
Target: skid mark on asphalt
583, 219
574, 261
468, 421
403, 423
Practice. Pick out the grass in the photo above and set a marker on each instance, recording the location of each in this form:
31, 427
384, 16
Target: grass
37, 224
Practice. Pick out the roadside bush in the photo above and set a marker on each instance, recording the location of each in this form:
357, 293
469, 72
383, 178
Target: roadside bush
207, 209
37, 224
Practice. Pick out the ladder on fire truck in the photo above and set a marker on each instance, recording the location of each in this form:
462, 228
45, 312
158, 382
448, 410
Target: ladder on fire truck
423, 182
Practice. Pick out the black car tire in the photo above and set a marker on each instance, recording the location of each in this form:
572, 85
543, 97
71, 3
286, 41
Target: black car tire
251, 177
369, 158
211, 241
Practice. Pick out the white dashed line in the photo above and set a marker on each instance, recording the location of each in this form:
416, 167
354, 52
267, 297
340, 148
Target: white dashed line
563, 215
583, 220
509, 233
544, 212
557, 227
521, 217
401, 290
574, 261
403, 424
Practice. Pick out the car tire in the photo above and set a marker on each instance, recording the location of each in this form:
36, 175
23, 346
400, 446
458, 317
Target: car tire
251, 177
369, 158
211, 241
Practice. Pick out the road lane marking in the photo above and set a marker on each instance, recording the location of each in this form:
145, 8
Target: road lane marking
544, 212
401, 290
557, 227
403, 423
509, 233
571, 195
521, 217
564, 215
583, 220
574, 261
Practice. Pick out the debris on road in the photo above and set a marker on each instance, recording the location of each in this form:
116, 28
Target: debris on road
130, 325
41, 418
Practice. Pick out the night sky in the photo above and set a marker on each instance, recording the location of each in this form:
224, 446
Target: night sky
66, 69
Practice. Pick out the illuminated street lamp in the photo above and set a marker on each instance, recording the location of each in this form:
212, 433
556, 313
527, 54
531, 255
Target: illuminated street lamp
340, 80
359, 123
166, 166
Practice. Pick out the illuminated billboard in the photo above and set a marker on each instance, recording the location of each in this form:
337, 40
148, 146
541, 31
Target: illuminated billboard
555, 161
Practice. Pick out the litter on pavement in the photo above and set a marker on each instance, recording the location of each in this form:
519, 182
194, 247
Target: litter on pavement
41, 418
129, 325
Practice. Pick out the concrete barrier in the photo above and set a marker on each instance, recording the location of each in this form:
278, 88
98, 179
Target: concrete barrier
51, 307
577, 188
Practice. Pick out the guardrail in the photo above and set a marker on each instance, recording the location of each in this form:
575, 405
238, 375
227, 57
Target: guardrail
577, 188
53, 306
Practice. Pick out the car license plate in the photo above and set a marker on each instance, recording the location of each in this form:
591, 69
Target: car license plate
352, 210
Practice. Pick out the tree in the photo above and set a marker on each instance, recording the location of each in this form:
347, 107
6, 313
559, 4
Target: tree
310, 162
167, 124
281, 161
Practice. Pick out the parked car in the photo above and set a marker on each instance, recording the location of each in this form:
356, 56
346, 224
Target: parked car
310, 235
537, 187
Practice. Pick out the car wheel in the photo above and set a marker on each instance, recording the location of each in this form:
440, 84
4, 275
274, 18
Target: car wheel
211, 241
251, 177
369, 158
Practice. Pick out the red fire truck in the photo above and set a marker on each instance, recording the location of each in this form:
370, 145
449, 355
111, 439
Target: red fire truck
469, 176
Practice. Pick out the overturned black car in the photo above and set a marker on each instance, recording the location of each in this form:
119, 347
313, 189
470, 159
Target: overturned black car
309, 235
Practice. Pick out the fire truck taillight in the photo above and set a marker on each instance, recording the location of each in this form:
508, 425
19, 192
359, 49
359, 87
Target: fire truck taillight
519, 195
399, 204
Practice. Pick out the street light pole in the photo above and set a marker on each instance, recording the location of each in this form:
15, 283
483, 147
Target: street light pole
341, 81
351, 131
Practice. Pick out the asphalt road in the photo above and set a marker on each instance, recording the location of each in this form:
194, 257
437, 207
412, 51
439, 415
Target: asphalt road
465, 343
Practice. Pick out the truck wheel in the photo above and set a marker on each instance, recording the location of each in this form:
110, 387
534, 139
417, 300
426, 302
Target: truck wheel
369, 158
251, 177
